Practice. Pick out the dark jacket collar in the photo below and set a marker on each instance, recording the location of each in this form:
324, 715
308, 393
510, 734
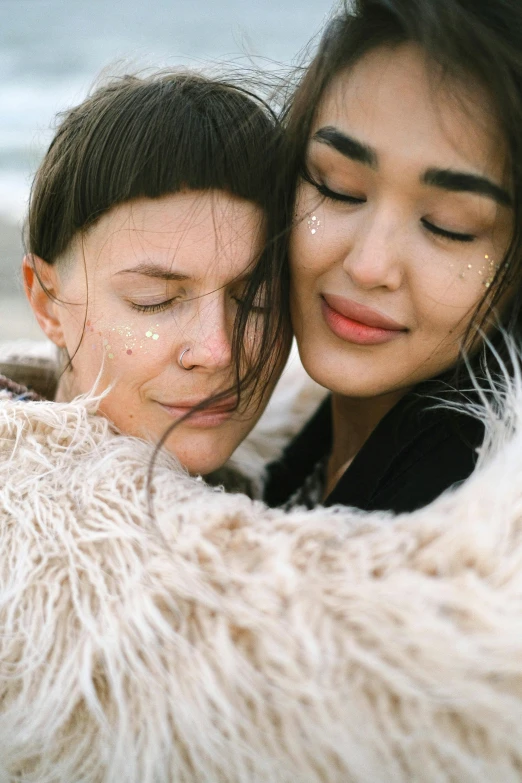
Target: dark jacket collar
401, 452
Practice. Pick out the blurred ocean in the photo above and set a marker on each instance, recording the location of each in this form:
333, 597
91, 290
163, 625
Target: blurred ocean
51, 52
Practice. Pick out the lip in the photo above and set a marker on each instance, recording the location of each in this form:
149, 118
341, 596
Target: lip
359, 324
208, 417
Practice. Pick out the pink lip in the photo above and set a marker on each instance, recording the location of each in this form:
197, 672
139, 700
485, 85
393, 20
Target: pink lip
207, 417
356, 323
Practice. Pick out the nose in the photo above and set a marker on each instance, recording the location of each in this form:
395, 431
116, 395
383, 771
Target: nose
208, 335
376, 256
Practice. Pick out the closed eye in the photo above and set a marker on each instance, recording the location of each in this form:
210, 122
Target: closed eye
333, 195
153, 308
442, 232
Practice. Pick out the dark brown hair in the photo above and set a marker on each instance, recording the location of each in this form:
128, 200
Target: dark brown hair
149, 137
465, 40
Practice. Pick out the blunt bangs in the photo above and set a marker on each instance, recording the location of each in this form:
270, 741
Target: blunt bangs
147, 138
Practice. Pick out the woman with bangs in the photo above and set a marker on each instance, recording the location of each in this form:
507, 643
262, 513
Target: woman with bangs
155, 260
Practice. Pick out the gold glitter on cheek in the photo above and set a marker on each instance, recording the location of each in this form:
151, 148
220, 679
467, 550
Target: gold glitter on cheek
123, 340
152, 334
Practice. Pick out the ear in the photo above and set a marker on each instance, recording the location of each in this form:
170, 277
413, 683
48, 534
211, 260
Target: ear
42, 288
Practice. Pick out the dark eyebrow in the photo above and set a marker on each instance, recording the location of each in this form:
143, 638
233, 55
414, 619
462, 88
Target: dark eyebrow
460, 182
346, 145
153, 270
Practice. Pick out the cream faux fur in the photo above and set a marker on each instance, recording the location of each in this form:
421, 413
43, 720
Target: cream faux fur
221, 642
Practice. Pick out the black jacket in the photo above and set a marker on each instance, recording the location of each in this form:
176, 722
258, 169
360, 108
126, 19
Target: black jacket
413, 455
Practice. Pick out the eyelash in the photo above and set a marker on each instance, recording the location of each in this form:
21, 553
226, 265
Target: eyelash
442, 232
330, 194
154, 308
157, 308
325, 191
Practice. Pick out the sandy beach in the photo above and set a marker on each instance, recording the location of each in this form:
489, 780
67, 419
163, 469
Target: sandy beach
16, 319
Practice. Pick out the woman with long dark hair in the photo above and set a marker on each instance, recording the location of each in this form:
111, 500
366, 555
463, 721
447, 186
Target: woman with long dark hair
406, 258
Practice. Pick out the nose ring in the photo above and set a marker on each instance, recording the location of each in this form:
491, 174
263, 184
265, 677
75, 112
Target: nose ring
180, 360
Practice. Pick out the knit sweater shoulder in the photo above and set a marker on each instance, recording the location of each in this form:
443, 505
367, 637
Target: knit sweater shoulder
154, 629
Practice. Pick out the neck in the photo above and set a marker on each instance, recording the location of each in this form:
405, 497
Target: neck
353, 421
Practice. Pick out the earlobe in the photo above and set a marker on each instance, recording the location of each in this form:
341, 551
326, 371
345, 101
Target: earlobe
41, 285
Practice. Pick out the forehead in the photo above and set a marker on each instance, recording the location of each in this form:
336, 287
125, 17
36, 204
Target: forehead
205, 232
393, 101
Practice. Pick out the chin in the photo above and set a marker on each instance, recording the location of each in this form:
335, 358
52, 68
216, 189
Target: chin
198, 467
349, 379
201, 459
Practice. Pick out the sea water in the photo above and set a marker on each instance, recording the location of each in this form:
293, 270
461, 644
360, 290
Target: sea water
51, 51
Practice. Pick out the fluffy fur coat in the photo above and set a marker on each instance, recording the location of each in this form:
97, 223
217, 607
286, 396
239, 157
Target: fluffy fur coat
221, 642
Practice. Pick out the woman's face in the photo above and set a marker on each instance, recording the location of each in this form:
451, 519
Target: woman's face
399, 227
160, 276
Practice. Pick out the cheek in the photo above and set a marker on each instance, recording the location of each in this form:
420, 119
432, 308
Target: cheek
298, 250
307, 258
445, 299
118, 340
320, 240
132, 350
